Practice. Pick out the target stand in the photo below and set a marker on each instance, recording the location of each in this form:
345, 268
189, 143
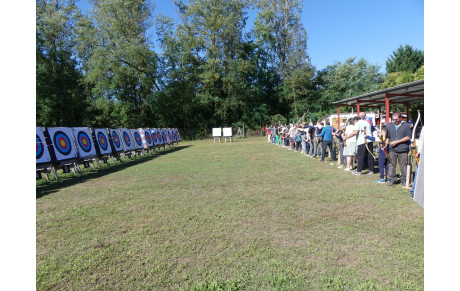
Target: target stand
46, 169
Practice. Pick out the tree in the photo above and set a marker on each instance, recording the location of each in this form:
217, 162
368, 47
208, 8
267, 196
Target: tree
118, 59
61, 99
405, 59
347, 80
279, 31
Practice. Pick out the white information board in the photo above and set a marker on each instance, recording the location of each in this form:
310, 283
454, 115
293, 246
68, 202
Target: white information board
217, 132
227, 131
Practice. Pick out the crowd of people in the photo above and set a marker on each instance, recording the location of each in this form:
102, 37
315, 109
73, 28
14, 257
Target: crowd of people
352, 145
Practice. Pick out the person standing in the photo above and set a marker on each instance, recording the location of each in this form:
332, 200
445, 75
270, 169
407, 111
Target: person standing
363, 128
350, 139
319, 140
340, 134
326, 134
398, 137
383, 160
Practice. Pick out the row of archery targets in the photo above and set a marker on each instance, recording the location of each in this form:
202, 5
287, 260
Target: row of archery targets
67, 148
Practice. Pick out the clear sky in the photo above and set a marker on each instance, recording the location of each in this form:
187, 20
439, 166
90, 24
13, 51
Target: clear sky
338, 29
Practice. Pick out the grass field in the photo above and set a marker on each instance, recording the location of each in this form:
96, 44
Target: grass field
232, 216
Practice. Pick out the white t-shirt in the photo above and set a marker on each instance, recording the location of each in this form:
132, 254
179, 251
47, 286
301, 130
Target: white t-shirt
349, 130
360, 125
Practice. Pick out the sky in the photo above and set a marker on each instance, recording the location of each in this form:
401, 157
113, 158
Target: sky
339, 29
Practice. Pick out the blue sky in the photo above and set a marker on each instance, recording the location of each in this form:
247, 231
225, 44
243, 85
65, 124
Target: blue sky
339, 29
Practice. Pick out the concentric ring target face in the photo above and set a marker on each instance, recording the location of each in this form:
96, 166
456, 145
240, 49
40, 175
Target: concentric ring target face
102, 140
127, 139
40, 147
83, 141
148, 137
137, 138
116, 139
62, 143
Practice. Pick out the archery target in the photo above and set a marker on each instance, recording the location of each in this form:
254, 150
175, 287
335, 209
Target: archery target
137, 138
157, 137
178, 135
127, 139
165, 136
116, 140
103, 140
148, 137
42, 153
84, 142
61, 138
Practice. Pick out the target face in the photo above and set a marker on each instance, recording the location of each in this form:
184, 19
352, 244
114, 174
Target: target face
148, 137
62, 143
127, 139
84, 142
103, 140
41, 150
116, 140
61, 137
137, 138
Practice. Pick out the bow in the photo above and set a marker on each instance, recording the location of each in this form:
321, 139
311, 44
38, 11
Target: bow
413, 144
365, 141
382, 138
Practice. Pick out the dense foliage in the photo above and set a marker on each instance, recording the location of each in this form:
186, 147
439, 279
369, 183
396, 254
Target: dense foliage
101, 69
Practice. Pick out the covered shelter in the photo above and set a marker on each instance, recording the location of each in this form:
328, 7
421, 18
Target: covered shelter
405, 94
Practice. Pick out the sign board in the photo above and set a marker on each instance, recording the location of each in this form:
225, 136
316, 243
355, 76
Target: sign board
217, 132
227, 131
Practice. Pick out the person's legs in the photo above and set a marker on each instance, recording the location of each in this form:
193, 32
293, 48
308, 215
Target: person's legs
313, 148
392, 168
361, 154
323, 152
412, 189
341, 146
304, 147
382, 160
370, 157
403, 159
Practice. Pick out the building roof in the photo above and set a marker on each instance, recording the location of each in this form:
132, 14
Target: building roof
406, 93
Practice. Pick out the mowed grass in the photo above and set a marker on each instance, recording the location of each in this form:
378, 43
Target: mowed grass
232, 216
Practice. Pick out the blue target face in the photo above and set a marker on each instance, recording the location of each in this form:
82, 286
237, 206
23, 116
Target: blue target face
137, 138
62, 143
102, 141
40, 149
84, 141
126, 138
148, 137
116, 139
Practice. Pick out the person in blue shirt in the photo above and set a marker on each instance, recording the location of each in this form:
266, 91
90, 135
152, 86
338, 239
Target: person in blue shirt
326, 133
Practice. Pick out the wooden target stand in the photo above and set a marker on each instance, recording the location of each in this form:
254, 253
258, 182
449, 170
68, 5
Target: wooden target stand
70, 165
46, 169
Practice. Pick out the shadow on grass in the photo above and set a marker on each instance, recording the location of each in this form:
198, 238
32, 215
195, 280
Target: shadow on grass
66, 181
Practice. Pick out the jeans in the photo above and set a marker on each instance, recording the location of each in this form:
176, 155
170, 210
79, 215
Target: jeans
383, 165
341, 146
319, 149
313, 147
412, 189
304, 146
328, 143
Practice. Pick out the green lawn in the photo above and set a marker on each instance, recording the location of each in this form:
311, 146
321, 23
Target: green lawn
245, 215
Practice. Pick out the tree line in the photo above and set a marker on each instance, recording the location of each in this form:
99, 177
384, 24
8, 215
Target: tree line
102, 69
